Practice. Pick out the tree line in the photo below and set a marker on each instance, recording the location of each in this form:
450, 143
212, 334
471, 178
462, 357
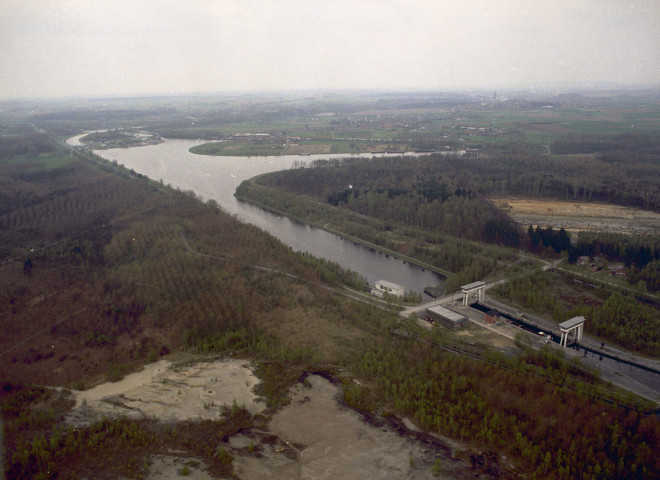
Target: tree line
614, 317
640, 254
551, 432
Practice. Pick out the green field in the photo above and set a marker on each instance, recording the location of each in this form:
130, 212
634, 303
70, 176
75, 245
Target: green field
238, 149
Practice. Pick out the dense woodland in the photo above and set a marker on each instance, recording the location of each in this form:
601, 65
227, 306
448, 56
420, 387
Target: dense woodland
640, 253
419, 192
445, 194
613, 148
434, 186
104, 270
449, 255
30, 145
614, 317
552, 432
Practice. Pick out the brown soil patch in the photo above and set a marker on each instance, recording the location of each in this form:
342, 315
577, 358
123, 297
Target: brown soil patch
579, 216
232, 147
481, 335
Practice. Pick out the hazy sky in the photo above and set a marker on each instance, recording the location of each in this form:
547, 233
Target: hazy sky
124, 47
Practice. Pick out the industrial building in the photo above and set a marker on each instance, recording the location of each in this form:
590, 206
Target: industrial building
383, 286
575, 326
446, 317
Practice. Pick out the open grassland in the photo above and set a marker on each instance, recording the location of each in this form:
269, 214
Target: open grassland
239, 149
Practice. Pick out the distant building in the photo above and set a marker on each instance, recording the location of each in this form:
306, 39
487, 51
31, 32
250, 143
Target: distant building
383, 286
583, 260
619, 272
446, 317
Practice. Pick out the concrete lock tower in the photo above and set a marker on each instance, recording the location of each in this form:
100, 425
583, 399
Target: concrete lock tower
575, 326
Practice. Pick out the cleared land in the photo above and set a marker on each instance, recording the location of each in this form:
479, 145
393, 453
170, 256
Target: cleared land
579, 216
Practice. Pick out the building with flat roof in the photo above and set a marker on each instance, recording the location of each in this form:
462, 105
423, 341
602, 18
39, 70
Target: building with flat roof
383, 286
446, 317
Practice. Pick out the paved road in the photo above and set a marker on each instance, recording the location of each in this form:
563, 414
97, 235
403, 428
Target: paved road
615, 376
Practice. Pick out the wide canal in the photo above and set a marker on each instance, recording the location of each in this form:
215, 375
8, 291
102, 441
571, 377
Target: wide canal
215, 177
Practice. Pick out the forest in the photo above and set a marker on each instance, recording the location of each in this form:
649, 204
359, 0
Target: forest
30, 145
397, 187
613, 317
547, 429
640, 252
612, 148
446, 195
140, 293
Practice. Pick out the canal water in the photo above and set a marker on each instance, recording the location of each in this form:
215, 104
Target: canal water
590, 356
214, 177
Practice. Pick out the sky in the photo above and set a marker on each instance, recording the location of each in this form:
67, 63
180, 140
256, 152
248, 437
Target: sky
66, 48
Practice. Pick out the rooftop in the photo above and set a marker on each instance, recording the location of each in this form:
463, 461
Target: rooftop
473, 285
573, 322
446, 313
393, 286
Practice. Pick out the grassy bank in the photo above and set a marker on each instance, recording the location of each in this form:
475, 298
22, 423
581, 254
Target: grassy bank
324, 217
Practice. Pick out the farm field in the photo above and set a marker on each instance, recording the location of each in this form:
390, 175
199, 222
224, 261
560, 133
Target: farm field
579, 216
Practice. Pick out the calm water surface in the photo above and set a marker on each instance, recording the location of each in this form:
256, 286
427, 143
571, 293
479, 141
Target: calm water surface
218, 177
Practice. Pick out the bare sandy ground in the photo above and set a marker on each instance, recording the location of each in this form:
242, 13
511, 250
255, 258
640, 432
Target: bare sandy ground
165, 467
320, 439
579, 216
171, 392
314, 437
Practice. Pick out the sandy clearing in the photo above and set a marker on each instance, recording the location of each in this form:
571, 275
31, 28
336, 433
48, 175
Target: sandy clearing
333, 442
171, 392
164, 467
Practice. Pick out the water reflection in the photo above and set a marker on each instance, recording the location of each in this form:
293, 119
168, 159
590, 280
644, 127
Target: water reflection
218, 178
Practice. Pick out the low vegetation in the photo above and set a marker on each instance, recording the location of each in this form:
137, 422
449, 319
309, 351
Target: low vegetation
239, 149
41, 446
103, 270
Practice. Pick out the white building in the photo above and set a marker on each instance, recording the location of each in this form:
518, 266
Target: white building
383, 286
